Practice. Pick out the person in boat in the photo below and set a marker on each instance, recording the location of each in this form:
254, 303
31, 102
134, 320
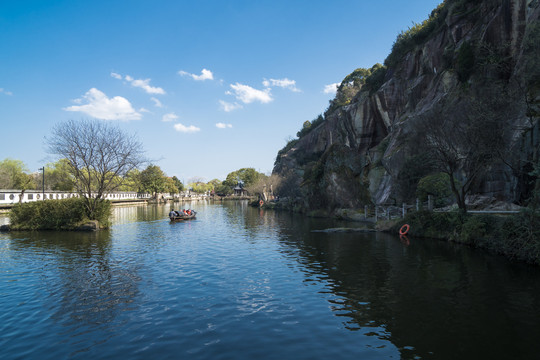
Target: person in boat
172, 213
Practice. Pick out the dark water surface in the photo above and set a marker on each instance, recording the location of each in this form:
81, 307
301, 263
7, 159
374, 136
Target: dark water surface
239, 283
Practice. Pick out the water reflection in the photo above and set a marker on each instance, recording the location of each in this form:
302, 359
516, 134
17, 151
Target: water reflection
86, 286
429, 298
241, 282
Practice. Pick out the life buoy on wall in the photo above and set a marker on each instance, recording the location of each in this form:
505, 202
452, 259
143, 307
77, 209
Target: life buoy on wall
261, 203
404, 229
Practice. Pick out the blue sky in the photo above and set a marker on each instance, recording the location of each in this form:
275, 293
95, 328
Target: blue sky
209, 87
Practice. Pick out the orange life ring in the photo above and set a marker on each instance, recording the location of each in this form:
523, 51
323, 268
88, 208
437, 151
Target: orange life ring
261, 202
404, 229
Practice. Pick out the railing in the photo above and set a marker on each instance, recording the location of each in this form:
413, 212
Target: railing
393, 211
13, 196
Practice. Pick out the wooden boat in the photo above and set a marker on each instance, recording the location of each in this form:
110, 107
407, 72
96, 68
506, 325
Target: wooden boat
184, 216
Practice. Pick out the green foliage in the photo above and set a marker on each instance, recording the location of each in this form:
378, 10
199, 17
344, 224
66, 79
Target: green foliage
310, 125
436, 225
416, 35
359, 80
375, 80
58, 176
215, 183
200, 187
13, 175
132, 181
290, 144
465, 62
153, 179
64, 214
223, 190
437, 185
522, 236
517, 236
414, 168
247, 176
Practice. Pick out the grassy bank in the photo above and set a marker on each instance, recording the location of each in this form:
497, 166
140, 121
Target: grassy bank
66, 214
516, 236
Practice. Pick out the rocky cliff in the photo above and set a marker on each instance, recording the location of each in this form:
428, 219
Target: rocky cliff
368, 147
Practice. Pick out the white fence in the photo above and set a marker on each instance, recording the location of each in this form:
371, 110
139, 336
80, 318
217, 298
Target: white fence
9, 197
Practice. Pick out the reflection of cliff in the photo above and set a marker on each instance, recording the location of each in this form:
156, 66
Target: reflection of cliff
429, 295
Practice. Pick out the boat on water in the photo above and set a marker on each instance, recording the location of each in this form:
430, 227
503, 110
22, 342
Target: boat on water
181, 216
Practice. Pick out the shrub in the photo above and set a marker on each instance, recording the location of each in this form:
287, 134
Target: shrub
517, 237
416, 35
443, 225
437, 185
310, 125
64, 214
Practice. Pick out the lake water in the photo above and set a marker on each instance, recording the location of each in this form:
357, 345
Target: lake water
241, 283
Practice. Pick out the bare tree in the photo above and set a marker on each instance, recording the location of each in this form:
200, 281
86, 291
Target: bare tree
99, 155
465, 139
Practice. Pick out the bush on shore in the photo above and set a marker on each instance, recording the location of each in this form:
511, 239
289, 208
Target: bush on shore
66, 214
517, 236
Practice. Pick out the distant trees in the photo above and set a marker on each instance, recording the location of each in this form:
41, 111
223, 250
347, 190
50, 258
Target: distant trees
99, 155
14, 175
178, 184
153, 180
59, 176
246, 176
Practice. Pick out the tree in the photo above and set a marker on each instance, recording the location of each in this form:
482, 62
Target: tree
58, 176
13, 175
132, 181
178, 184
153, 180
265, 184
223, 190
246, 176
98, 154
466, 138
170, 186
200, 187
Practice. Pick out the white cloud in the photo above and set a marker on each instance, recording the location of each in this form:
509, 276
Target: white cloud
144, 110
4, 91
247, 94
228, 107
205, 75
101, 107
223, 126
157, 103
186, 129
140, 83
145, 85
331, 89
170, 117
282, 83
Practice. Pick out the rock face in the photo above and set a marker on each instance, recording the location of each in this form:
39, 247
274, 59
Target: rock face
357, 155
